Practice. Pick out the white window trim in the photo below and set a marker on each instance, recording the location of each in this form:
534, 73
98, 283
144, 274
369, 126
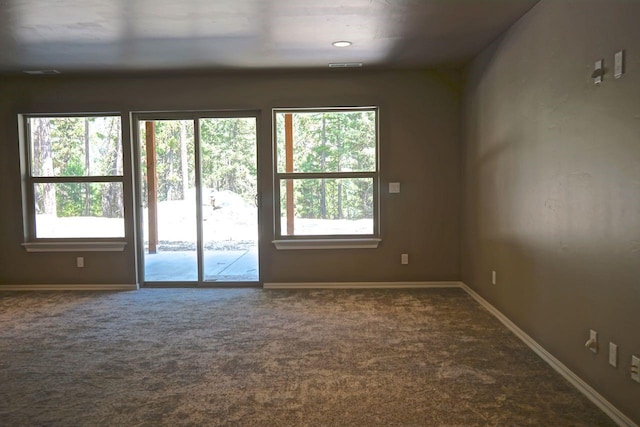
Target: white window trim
68, 244
306, 242
294, 244
75, 246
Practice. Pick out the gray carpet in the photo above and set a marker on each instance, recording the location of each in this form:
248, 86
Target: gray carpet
272, 358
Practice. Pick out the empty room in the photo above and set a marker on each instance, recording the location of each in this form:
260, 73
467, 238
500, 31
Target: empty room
358, 212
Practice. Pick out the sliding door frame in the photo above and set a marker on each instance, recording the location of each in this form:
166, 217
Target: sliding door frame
135, 119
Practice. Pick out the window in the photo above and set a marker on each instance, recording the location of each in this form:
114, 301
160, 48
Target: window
73, 178
326, 176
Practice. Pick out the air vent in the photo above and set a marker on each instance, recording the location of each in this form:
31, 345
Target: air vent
345, 65
41, 72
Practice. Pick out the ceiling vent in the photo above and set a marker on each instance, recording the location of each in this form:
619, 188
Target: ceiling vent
345, 64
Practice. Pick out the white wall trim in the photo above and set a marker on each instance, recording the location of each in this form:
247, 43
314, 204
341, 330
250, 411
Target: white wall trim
349, 243
74, 246
362, 285
79, 287
595, 397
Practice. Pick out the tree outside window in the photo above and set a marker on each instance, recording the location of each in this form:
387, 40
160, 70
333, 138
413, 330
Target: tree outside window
75, 180
326, 172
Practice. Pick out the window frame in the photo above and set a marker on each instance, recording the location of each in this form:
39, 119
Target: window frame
33, 243
325, 241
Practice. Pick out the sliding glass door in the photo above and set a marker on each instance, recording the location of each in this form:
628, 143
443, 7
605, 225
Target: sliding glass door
198, 198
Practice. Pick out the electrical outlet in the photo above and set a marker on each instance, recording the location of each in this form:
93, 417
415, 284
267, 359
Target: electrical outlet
635, 368
613, 355
493, 277
80, 262
404, 258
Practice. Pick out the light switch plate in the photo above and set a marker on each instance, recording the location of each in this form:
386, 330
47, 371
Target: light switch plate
598, 71
394, 187
593, 340
618, 69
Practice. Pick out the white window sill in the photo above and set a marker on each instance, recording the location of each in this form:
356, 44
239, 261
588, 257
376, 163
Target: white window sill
75, 246
350, 243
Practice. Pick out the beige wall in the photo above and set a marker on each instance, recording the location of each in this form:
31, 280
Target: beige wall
419, 147
551, 183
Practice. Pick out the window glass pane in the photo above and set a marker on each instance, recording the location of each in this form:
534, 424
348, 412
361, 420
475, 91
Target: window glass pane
75, 146
329, 206
79, 209
328, 141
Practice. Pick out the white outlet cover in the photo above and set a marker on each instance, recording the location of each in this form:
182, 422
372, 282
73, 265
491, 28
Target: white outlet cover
613, 355
635, 368
618, 64
394, 187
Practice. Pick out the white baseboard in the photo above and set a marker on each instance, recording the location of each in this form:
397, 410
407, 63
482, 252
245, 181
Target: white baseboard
362, 285
79, 287
595, 397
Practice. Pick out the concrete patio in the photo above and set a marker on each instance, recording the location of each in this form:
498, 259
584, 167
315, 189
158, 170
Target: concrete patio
219, 266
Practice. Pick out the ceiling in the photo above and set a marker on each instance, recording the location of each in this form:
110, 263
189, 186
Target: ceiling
126, 35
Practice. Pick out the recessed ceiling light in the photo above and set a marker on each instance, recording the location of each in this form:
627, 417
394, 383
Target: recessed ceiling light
342, 43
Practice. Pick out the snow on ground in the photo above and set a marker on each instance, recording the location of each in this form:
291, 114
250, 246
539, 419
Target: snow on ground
49, 226
318, 227
230, 222
230, 219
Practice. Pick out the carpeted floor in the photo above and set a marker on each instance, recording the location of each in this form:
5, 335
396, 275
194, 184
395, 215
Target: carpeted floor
272, 358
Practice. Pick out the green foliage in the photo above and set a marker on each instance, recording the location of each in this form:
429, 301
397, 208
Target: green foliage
80, 147
170, 134
70, 197
330, 142
227, 156
343, 141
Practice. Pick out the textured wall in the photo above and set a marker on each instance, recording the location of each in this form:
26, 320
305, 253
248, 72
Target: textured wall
420, 147
551, 183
